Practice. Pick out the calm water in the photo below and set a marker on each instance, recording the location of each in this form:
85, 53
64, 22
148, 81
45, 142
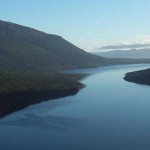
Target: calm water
109, 114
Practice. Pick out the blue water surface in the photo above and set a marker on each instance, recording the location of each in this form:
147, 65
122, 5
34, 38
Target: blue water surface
108, 114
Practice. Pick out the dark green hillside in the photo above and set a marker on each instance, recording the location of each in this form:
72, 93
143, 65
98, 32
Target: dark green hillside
26, 48
12, 82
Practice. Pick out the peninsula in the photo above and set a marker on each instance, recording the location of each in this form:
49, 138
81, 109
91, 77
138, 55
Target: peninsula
140, 77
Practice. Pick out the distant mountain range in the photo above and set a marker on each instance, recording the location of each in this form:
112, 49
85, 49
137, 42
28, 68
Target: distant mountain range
132, 53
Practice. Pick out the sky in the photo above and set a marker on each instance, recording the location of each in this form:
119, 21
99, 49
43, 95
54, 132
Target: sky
89, 24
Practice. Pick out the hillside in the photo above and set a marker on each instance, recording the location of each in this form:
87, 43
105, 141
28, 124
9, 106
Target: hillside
27, 49
23, 48
132, 53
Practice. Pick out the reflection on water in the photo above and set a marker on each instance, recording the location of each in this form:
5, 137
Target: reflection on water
25, 98
109, 114
45, 122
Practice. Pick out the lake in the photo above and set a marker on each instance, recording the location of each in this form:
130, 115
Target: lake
108, 114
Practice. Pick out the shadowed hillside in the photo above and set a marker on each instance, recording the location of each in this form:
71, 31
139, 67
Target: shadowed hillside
24, 48
28, 49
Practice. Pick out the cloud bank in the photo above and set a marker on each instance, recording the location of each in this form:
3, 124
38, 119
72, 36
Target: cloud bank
127, 45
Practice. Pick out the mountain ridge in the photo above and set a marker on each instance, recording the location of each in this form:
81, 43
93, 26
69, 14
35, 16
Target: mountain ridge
32, 49
27, 49
132, 53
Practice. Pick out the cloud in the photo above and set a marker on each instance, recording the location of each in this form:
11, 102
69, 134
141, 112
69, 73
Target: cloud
145, 43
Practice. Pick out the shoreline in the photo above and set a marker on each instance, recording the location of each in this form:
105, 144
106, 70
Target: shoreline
21, 89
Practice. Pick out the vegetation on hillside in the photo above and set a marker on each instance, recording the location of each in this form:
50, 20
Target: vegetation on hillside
25, 81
